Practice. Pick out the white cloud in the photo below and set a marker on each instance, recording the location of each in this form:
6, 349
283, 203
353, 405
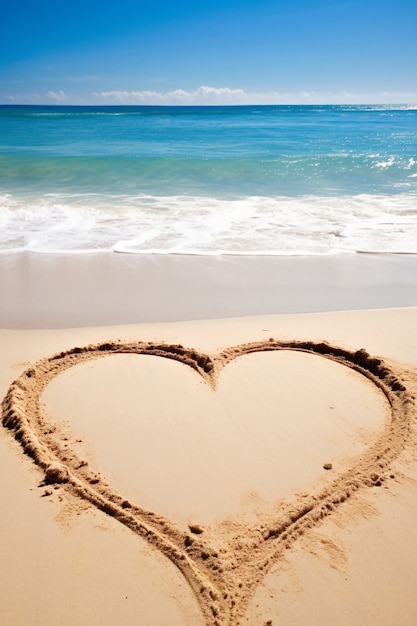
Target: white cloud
22, 98
206, 95
57, 96
227, 95
202, 95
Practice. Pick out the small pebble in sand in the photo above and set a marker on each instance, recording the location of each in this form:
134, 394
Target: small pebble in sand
196, 529
56, 473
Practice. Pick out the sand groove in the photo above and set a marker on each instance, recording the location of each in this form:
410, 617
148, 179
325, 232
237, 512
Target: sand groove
222, 580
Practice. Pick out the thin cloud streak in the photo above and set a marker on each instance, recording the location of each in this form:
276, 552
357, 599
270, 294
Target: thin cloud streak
226, 95
58, 96
206, 95
202, 95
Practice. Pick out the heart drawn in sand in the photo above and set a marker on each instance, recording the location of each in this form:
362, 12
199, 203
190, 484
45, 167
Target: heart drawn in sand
222, 579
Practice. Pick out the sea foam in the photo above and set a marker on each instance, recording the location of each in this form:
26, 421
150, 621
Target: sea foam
205, 225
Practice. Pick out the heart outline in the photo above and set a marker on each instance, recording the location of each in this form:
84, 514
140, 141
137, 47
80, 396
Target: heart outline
222, 583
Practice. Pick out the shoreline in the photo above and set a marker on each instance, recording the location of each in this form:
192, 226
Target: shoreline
102, 289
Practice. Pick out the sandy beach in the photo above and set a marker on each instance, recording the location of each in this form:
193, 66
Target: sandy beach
208, 441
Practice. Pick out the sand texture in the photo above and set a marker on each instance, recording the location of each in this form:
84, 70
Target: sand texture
251, 471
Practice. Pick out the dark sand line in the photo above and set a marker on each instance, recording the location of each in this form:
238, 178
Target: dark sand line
223, 581
101, 289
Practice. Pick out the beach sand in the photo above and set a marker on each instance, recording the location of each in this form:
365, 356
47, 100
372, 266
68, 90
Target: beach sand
258, 466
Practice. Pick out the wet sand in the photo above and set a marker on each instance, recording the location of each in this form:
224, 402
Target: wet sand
67, 290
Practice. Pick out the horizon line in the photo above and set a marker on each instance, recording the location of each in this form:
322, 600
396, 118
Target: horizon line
209, 105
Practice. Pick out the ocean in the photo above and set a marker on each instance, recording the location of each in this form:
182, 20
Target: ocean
276, 180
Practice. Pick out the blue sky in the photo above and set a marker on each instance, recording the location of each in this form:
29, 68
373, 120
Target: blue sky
214, 52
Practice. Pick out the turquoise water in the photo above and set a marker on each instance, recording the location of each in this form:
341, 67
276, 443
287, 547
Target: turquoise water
252, 179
